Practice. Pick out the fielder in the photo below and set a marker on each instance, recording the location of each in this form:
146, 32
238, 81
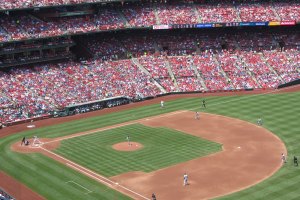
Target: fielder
128, 140
197, 115
283, 158
185, 179
259, 122
162, 104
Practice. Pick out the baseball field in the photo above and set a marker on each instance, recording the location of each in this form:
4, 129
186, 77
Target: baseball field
226, 155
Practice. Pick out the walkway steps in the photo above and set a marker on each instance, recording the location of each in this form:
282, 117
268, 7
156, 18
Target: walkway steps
143, 69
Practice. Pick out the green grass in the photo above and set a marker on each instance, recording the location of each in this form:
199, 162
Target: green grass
280, 112
163, 147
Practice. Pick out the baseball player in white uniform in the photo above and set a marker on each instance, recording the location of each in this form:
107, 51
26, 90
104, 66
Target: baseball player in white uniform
162, 104
185, 179
197, 115
128, 140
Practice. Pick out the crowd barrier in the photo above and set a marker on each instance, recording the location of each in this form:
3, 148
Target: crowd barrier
295, 82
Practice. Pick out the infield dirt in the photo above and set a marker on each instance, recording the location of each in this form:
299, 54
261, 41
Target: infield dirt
248, 159
250, 154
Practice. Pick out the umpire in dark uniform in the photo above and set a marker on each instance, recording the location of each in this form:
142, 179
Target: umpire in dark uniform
153, 196
203, 103
295, 161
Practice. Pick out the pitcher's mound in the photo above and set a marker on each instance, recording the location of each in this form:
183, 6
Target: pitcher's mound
124, 146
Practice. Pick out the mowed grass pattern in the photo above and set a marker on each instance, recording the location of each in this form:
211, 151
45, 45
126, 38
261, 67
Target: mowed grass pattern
281, 115
280, 112
163, 147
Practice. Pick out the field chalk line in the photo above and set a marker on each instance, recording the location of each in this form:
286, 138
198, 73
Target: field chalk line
94, 175
80, 168
88, 191
90, 175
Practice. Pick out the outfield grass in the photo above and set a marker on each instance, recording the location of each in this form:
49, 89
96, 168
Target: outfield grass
280, 112
163, 147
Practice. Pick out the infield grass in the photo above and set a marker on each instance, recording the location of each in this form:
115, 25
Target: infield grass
163, 147
280, 112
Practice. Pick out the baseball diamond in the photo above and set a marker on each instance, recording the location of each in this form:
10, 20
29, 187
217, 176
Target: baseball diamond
149, 99
247, 163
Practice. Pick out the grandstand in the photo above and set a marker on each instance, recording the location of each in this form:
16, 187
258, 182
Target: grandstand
66, 57
53, 56
5, 196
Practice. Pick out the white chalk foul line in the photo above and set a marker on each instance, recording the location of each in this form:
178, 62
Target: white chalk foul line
129, 190
94, 175
115, 183
80, 168
128, 123
88, 191
88, 174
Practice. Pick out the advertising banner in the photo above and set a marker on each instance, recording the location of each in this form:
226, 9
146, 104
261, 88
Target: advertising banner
274, 23
287, 23
160, 27
204, 25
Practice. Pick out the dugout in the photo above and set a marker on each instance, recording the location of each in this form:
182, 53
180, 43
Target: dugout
292, 83
97, 105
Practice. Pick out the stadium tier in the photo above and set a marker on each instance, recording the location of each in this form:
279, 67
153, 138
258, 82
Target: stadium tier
214, 64
49, 62
143, 65
51, 22
5, 196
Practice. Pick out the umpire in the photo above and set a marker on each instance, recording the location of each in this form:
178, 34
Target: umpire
295, 161
153, 196
203, 103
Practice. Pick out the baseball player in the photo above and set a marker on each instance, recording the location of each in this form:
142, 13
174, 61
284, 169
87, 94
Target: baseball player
295, 161
153, 196
283, 158
197, 115
23, 141
203, 103
162, 104
259, 122
185, 179
128, 140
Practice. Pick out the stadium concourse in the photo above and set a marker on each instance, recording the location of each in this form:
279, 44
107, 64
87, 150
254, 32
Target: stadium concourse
157, 64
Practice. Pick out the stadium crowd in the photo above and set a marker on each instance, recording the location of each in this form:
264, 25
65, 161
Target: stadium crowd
28, 25
165, 62
5, 196
217, 13
254, 12
35, 91
12, 4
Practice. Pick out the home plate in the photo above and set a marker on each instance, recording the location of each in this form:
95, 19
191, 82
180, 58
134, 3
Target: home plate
238, 147
31, 126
